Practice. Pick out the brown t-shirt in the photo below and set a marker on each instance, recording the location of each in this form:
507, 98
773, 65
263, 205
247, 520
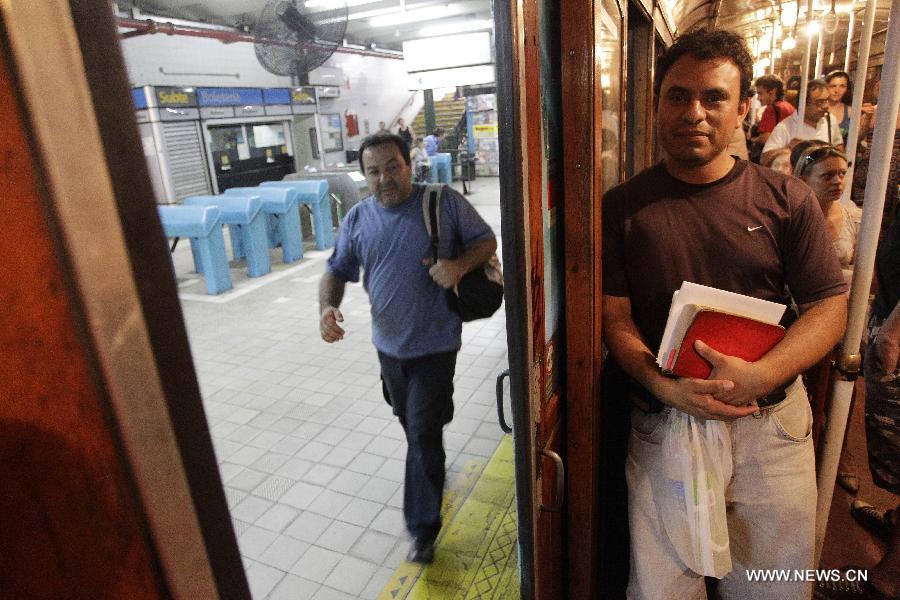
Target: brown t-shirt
755, 232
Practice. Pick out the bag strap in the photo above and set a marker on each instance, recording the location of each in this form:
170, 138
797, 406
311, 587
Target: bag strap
777, 112
431, 212
828, 118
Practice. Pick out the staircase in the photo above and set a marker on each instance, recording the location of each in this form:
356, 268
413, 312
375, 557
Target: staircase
447, 113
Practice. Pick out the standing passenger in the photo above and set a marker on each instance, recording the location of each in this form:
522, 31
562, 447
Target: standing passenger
433, 141
414, 329
701, 216
816, 123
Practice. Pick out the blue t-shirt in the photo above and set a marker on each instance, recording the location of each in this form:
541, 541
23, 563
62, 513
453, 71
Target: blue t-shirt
431, 145
411, 315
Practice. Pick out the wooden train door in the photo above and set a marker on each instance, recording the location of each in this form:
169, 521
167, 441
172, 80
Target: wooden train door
109, 482
551, 107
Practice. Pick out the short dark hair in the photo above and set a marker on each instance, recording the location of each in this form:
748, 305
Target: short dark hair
847, 98
705, 44
771, 82
813, 85
379, 139
438, 132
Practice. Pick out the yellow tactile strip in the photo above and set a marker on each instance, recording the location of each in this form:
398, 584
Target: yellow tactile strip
476, 553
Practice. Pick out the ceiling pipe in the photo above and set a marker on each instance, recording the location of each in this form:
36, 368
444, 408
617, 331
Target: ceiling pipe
150, 27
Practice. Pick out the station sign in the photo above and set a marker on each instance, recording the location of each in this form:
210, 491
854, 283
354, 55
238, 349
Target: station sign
229, 96
175, 97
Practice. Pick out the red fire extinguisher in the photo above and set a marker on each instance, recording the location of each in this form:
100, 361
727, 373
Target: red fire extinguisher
352, 123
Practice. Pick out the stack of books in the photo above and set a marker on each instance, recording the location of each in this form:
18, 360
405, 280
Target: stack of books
733, 324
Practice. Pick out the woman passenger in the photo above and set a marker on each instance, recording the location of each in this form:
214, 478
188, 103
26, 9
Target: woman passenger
823, 168
841, 95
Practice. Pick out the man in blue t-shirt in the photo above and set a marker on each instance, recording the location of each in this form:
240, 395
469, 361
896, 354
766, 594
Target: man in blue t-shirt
433, 141
414, 328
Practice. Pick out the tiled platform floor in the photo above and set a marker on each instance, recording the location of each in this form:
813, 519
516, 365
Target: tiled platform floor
310, 455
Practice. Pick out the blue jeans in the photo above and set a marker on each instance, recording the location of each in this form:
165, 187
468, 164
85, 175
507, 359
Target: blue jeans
420, 390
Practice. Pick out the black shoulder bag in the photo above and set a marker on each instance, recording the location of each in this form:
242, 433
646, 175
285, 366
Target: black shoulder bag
479, 293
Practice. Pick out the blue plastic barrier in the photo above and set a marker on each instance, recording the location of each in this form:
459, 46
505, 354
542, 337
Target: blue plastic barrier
282, 216
245, 213
313, 193
202, 224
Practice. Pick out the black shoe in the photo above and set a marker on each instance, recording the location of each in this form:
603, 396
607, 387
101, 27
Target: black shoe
875, 520
422, 551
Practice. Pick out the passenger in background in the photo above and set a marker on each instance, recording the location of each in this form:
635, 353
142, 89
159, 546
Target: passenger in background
433, 141
761, 234
792, 91
839, 99
815, 125
382, 128
421, 164
882, 374
861, 168
415, 330
405, 131
780, 160
770, 91
824, 168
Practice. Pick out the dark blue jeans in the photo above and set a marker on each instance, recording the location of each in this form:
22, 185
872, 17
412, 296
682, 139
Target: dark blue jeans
420, 390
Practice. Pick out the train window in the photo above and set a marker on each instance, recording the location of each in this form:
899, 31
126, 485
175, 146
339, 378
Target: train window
611, 83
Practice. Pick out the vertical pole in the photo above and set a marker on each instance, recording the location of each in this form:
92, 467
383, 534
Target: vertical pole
804, 66
876, 186
820, 53
772, 51
849, 40
859, 83
430, 123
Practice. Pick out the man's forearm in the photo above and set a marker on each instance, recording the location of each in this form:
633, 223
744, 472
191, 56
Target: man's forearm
627, 347
331, 291
477, 254
810, 338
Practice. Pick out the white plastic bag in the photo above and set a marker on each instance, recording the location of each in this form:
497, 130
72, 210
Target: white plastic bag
697, 466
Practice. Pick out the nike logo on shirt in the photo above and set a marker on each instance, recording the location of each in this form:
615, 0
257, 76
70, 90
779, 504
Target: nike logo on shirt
754, 228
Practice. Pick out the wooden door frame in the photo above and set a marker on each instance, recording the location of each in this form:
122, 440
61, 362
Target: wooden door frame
102, 210
582, 130
514, 223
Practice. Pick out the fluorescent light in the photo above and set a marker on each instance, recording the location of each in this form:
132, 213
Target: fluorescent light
451, 28
412, 16
333, 4
788, 43
813, 28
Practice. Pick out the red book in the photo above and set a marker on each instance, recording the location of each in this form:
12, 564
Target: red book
729, 334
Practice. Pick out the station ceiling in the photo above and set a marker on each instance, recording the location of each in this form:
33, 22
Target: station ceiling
381, 22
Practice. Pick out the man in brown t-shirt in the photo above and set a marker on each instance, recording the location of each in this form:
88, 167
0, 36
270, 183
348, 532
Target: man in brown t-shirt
701, 216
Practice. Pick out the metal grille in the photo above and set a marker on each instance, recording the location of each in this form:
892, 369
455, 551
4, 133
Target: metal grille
187, 165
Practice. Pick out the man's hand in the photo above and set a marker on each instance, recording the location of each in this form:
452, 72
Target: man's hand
887, 344
446, 272
750, 383
328, 324
698, 397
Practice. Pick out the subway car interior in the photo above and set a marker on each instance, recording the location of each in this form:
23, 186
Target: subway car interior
173, 423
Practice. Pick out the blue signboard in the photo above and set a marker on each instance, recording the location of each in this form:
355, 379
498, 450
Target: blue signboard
277, 96
138, 98
229, 96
